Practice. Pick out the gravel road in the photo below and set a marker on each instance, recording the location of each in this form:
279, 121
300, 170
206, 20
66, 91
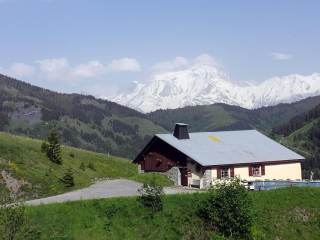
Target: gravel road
104, 189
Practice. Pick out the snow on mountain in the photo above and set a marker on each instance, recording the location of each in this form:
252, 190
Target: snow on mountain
202, 85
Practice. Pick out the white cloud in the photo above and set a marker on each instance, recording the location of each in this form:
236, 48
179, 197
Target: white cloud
54, 68
206, 59
124, 65
89, 70
19, 71
280, 56
3, 71
167, 65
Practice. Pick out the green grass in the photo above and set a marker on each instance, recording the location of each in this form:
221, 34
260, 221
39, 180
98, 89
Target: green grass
146, 127
23, 158
288, 213
117, 218
161, 180
302, 130
198, 118
295, 144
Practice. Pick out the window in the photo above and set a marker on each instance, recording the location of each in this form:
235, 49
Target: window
224, 172
256, 171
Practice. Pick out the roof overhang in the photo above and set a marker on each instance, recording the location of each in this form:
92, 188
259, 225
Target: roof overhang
145, 149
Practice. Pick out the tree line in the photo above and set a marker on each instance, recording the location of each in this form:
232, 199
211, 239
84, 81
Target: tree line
297, 122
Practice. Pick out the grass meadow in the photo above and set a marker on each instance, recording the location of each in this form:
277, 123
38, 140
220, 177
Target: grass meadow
159, 179
288, 213
22, 157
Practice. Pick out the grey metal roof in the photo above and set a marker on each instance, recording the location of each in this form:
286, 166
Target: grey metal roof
230, 147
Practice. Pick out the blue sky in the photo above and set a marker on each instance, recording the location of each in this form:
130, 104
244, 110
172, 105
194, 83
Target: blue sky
97, 46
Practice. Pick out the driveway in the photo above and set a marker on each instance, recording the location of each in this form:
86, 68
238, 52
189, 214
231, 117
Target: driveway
104, 189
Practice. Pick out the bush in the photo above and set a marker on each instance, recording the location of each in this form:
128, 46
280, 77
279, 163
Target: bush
44, 147
12, 216
82, 166
91, 166
228, 208
151, 196
71, 154
67, 179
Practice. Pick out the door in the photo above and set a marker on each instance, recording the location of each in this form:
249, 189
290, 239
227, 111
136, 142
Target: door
184, 176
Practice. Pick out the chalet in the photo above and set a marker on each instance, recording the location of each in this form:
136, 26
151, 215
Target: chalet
199, 158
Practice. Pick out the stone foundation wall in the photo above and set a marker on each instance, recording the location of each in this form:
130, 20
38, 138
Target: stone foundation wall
174, 175
207, 178
139, 169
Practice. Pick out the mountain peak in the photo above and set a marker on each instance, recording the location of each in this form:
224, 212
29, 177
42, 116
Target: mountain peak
203, 85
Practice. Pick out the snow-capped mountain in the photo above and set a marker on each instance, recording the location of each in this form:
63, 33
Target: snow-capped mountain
202, 85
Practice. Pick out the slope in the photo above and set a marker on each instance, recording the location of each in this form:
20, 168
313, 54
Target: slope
27, 172
226, 117
287, 213
83, 121
302, 134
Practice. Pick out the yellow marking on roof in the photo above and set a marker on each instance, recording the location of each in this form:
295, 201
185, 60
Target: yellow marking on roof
214, 139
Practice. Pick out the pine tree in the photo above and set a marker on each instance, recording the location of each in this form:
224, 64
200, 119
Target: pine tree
44, 147
53, 151
67, 179
82, 167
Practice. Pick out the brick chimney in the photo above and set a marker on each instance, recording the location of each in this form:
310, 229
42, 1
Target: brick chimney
181, 131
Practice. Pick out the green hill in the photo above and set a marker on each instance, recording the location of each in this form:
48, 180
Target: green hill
302, 134
103, 126
226, 117
27, 172
287, 214
83, 121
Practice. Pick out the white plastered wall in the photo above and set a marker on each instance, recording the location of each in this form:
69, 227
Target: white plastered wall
285, 171
195, 175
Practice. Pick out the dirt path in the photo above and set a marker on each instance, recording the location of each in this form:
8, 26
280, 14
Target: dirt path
105, 189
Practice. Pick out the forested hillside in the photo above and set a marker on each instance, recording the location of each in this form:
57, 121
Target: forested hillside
83, 121
217, 117
103, 126
302, 134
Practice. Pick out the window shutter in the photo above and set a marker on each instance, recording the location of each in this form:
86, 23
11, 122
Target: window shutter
250, 171
232, 172
218, 173
263, 170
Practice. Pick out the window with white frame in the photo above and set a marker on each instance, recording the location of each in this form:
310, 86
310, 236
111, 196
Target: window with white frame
256, 171
224, 172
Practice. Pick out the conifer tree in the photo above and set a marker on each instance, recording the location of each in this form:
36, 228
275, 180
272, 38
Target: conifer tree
67, 179
44, 147
82, 167
53, 151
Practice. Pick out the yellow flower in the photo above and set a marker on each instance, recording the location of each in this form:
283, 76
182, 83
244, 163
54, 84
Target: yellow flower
14, 166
